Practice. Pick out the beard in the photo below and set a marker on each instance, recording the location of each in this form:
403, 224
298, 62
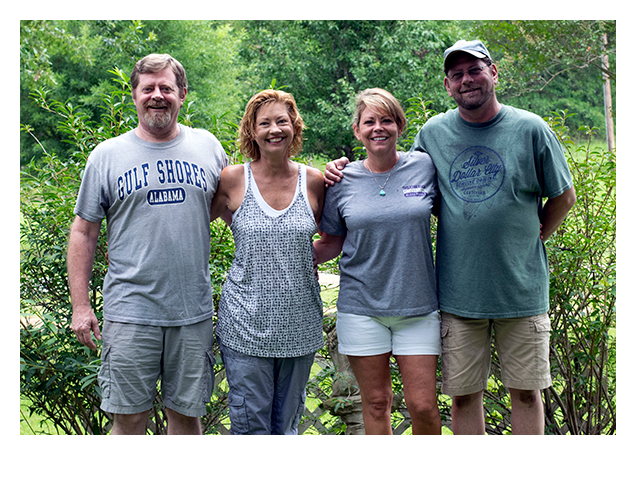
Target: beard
157, 118
477, 101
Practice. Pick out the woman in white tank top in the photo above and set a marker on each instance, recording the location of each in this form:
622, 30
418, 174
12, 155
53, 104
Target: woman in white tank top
270, 314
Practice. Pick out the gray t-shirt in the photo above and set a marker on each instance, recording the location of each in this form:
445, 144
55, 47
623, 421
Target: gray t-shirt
386, 268
490, 260
156, 199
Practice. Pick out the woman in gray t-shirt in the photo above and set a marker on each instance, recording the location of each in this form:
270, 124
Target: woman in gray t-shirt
379, 217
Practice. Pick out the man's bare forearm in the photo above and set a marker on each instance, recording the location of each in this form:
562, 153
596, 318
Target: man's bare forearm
555, 211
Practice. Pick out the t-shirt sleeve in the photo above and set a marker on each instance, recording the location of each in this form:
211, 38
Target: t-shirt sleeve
332, 221
418, 143
552, 167
220, 152
92, 199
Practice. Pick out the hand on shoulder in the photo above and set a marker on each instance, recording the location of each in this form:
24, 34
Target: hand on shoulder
333, 173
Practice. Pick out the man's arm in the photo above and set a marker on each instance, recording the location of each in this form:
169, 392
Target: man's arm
219, 207
554, 212
80, 258
333, 170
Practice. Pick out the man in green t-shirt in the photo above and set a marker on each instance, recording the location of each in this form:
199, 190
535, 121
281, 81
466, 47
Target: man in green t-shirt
495, 164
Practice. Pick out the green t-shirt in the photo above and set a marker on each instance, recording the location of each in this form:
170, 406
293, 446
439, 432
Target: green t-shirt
491, 262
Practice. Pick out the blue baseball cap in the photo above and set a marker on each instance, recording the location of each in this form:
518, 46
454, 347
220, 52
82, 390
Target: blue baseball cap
473, 47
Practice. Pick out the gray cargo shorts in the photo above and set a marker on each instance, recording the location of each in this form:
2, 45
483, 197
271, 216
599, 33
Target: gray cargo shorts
135, 357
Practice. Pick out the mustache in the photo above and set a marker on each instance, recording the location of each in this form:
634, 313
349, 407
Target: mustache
156, 104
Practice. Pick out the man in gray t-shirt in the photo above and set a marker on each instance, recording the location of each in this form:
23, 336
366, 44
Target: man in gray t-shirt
154, 185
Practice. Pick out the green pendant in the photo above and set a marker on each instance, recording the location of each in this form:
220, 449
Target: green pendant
382, 193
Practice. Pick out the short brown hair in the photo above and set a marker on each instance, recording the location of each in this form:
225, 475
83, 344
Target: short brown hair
381, 100
154, 63
247, 128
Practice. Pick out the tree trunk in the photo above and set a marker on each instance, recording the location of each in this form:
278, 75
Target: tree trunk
607, 95
345, 400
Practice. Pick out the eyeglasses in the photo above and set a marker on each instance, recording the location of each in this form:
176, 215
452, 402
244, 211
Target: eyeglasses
473, 72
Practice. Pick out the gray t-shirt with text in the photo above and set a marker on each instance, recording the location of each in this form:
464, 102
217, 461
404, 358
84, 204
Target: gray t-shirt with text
156, 199
386, 269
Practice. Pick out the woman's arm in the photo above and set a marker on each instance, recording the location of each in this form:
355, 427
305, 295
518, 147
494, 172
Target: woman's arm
229, 194
315, 191
327, 247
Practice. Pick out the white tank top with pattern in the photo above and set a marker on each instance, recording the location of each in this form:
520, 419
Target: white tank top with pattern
271, 305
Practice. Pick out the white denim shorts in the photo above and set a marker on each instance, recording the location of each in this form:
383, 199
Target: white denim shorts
362, 335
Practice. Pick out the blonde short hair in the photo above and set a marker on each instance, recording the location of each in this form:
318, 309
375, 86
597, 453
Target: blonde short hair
380, 100
247, 128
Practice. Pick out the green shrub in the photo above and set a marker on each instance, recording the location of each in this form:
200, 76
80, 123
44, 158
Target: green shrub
57, 374
582, 258
582, 261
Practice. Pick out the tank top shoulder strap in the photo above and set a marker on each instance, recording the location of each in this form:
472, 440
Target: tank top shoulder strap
302, 184
247, 171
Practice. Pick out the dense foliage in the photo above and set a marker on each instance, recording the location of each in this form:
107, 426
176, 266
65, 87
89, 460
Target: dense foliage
58, 375
544, 66
583, 297
324, 63
71, 59
553, 65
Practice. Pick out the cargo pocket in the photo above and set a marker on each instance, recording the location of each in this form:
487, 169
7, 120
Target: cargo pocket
542, 348
238, 415
445, 332
103, 376
208, 382
542, 324
299, 414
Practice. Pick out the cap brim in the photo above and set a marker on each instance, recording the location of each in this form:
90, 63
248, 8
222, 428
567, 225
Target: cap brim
474, 53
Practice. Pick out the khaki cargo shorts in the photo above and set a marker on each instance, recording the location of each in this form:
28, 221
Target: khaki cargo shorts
522, 344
